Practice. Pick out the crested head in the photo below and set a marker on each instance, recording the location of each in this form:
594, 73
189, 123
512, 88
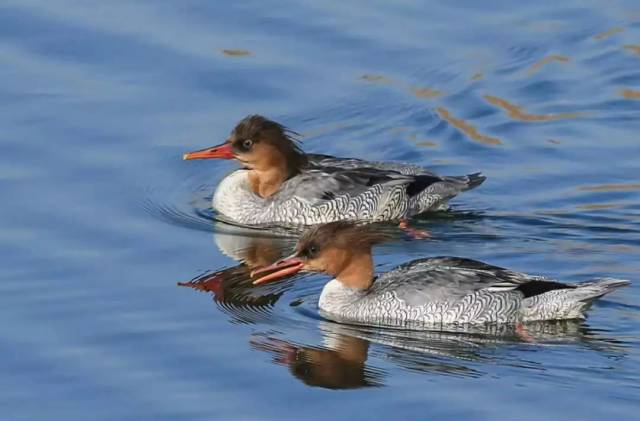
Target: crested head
256, 126
266, 148
340, 249
259, 142
340, 235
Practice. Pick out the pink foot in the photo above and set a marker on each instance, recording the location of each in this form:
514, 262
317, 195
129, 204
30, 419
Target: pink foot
414, 233
522, 333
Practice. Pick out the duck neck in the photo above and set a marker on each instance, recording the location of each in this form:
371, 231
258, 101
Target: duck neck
266, 183
358, 272
267, 178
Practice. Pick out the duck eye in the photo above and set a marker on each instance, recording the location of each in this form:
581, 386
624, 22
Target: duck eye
247, 144
313, 249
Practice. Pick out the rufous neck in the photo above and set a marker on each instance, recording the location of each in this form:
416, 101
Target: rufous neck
266, 182
358, 272
269, 171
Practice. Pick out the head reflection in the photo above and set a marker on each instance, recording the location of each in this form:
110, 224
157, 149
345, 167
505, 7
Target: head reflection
232, 287
339, 365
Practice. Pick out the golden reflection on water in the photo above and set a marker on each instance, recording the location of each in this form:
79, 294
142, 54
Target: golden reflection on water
424, 142
634, 48
611, 32
546, 60
611, 187
414, 137
598, 206
630, 93
518, 113
418, 91
467, 128
477, 76
425, 92
625, 249
428, 144
236, 53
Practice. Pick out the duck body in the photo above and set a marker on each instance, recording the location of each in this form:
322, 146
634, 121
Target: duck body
334, 189
449, 291
426, 293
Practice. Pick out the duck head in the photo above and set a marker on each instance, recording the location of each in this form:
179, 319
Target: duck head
340, 249
266, 148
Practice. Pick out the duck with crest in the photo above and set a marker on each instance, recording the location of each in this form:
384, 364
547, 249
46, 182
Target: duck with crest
426, 292
280, 184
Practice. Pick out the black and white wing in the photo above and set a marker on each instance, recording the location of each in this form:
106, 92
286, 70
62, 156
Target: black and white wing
354, 163
319, 184
447, 187
449, 279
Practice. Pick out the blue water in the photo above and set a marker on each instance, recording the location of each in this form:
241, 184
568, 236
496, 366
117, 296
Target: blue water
101, 219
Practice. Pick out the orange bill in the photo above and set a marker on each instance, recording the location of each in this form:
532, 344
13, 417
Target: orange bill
223, 151
278, 270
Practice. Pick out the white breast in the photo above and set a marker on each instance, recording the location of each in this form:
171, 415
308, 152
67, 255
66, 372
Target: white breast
234, 198
337, 298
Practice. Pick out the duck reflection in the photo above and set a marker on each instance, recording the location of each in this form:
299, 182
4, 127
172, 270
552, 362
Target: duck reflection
232, 287
341, 363
340, 366
352, 356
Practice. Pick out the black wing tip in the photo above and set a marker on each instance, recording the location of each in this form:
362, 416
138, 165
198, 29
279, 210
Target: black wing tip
421, 182
475, 180
538, 287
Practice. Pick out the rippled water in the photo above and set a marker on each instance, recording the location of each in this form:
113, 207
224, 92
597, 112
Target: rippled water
101, 220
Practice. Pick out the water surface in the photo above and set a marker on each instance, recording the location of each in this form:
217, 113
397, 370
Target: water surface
101, 219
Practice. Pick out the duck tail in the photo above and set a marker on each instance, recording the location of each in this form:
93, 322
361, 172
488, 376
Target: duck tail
571, 302
598, 287
462, 183
587, 292
474, 180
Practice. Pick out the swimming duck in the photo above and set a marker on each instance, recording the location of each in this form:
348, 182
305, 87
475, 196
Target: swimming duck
280, 184
426, 292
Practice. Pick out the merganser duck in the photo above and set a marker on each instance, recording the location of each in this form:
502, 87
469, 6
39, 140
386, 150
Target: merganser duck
426, 292
280, 184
